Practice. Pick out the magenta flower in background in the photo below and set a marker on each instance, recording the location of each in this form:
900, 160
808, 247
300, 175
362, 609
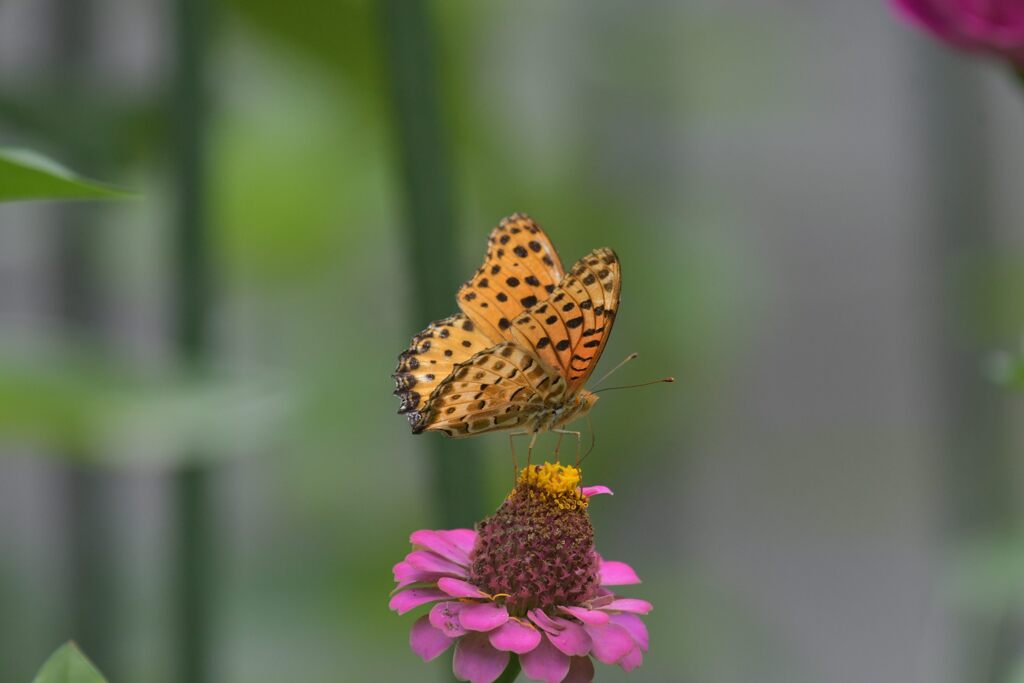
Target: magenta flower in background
994, 26
527, 582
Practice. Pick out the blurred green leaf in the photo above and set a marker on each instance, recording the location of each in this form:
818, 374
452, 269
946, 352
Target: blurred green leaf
28, 175
93, 412
114, 130
68, 665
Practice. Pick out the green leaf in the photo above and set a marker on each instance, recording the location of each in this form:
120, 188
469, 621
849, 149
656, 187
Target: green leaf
93, 412
28, 175
68, 665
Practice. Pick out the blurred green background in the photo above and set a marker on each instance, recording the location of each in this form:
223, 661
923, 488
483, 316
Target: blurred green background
818, 214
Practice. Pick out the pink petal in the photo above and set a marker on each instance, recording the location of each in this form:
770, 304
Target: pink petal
595, 490
587, 616
611, 642
573, 640
457, 588
636, 627
427, 641
567, 636
629, 605
617, 574
482, 616
515, 636
406, 574
402, 570
538, 617
545, 663
414, 597
632, 660
462, 539
444, 616
441, 543
581, 670
925, 15
476, 661
432, 562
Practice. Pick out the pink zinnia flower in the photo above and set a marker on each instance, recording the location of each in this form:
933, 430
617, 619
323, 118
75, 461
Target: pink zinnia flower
995, 26
528, 581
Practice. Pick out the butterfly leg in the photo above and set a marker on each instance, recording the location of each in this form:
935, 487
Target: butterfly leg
562, 432
558, 445
593, 442
515, 460
529, 450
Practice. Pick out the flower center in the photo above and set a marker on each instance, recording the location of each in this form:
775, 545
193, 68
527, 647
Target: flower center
538, 548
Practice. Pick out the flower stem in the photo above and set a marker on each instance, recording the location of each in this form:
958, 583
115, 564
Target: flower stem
192, 278
511, 671
422, 149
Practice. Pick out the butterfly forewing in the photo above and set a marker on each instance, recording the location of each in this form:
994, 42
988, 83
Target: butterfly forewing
520, 269
569, 330
501, 387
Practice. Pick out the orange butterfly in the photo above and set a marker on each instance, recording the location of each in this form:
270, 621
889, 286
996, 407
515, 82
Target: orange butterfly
527, 339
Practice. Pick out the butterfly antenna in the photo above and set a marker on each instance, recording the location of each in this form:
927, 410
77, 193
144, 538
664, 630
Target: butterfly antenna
625, 360
593, 441
666, 380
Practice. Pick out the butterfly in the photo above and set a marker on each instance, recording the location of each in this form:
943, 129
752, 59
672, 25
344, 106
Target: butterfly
527, 338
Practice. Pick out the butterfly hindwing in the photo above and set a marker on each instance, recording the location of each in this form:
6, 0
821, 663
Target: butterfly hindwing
569, 330
521, 268
502, 387
430, 358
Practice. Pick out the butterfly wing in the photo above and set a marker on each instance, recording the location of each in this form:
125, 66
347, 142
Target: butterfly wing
502, 387
569, 330
430, 358
520, 269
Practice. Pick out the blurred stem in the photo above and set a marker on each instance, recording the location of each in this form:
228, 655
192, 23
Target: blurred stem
192, 283
511, 672
430, 238
978, 468
91, 593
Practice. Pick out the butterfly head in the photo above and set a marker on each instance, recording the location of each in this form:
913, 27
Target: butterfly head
576, 407
585, 400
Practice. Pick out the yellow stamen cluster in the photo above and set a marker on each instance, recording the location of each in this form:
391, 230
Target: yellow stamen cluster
554, 483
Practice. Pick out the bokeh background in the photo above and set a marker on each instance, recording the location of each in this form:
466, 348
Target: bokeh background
819, 217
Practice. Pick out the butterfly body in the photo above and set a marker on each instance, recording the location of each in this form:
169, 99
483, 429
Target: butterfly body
560, 415
528, 337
